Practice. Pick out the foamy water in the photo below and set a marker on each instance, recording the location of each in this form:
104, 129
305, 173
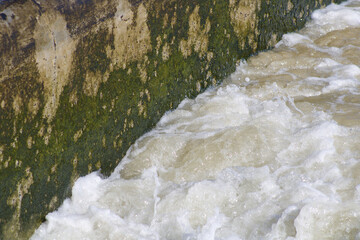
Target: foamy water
272, 153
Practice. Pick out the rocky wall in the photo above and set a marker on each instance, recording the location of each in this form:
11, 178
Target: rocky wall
81, 80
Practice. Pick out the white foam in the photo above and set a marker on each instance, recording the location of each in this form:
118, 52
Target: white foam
335, 17
291, 39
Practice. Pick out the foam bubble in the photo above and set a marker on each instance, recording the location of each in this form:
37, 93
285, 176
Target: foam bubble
291, 39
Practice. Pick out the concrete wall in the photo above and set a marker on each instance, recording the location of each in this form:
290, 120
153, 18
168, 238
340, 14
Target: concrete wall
81, 80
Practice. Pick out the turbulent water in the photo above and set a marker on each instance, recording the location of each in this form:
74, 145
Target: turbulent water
272, 153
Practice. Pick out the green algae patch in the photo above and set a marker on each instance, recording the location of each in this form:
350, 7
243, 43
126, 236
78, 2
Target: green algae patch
84, 81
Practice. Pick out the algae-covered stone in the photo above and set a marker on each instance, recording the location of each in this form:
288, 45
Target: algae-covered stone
80, 81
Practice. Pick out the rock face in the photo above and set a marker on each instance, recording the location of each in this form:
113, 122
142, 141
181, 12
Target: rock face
81, 80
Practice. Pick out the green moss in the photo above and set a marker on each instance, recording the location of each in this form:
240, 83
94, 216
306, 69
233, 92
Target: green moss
14, 132
224, 62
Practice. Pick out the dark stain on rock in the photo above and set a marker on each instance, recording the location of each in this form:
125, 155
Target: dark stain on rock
135, 3
3, 16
